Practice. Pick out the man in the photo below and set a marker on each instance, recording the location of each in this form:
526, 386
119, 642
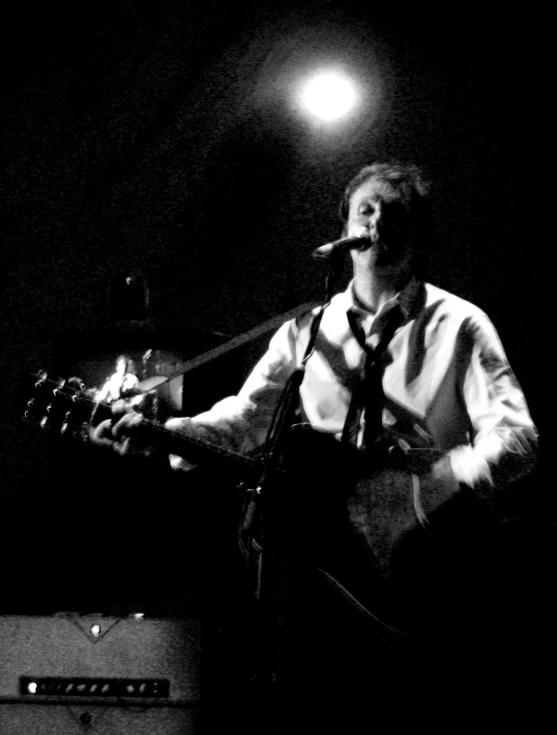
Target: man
447, 383
120, 383
444, 385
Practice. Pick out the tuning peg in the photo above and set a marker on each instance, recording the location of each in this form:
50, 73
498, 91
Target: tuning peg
59, 385
41, 378
46, 418
66, 421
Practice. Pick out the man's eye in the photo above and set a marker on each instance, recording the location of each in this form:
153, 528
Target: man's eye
365, 209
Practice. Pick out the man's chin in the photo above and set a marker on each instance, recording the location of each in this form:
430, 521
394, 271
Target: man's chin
386, 255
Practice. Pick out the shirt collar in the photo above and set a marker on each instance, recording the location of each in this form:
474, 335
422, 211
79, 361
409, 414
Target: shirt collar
410, 299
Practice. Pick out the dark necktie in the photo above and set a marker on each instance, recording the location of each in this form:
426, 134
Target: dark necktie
368, 397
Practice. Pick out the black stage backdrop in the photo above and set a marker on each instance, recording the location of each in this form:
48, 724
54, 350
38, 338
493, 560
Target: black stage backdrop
157, 141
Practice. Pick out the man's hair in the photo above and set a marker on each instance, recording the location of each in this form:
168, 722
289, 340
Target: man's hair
409, 182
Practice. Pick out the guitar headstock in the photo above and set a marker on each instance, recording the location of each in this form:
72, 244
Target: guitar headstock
62, 407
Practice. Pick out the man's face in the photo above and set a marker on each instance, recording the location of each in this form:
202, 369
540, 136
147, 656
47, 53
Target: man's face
380, 209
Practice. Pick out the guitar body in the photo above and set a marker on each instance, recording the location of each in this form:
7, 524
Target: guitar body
358, 520
355, 518
382, 514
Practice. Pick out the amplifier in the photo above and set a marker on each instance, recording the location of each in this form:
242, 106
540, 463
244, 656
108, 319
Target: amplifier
34, 719
108, 674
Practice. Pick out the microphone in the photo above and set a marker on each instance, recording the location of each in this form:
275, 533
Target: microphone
361, 240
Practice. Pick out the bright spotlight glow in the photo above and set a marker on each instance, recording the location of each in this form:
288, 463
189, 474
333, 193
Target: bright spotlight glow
328, 95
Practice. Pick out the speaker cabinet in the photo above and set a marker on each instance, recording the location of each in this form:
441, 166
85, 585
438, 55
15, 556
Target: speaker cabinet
72, 673
34, 719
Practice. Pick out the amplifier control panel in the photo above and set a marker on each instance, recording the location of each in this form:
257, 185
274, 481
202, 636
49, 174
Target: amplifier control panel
93, 687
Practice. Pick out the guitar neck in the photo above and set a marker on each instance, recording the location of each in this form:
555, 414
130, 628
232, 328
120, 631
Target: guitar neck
198, 451
63, 409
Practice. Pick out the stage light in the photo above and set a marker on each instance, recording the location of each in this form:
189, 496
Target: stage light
328, 95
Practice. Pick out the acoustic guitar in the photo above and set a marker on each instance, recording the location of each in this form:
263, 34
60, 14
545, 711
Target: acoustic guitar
356, 519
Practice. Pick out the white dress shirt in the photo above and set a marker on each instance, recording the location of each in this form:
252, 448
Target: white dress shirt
447, 385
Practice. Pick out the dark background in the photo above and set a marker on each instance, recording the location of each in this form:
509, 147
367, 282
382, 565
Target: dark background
156, 139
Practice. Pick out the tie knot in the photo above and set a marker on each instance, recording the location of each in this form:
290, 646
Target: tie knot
382, 329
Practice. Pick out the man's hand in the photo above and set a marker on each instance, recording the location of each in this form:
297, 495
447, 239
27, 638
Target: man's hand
121, 436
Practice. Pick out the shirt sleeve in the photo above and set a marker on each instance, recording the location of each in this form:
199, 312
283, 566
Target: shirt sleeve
503, 442
240, 423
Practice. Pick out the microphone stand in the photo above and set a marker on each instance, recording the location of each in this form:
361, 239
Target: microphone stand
269, 606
